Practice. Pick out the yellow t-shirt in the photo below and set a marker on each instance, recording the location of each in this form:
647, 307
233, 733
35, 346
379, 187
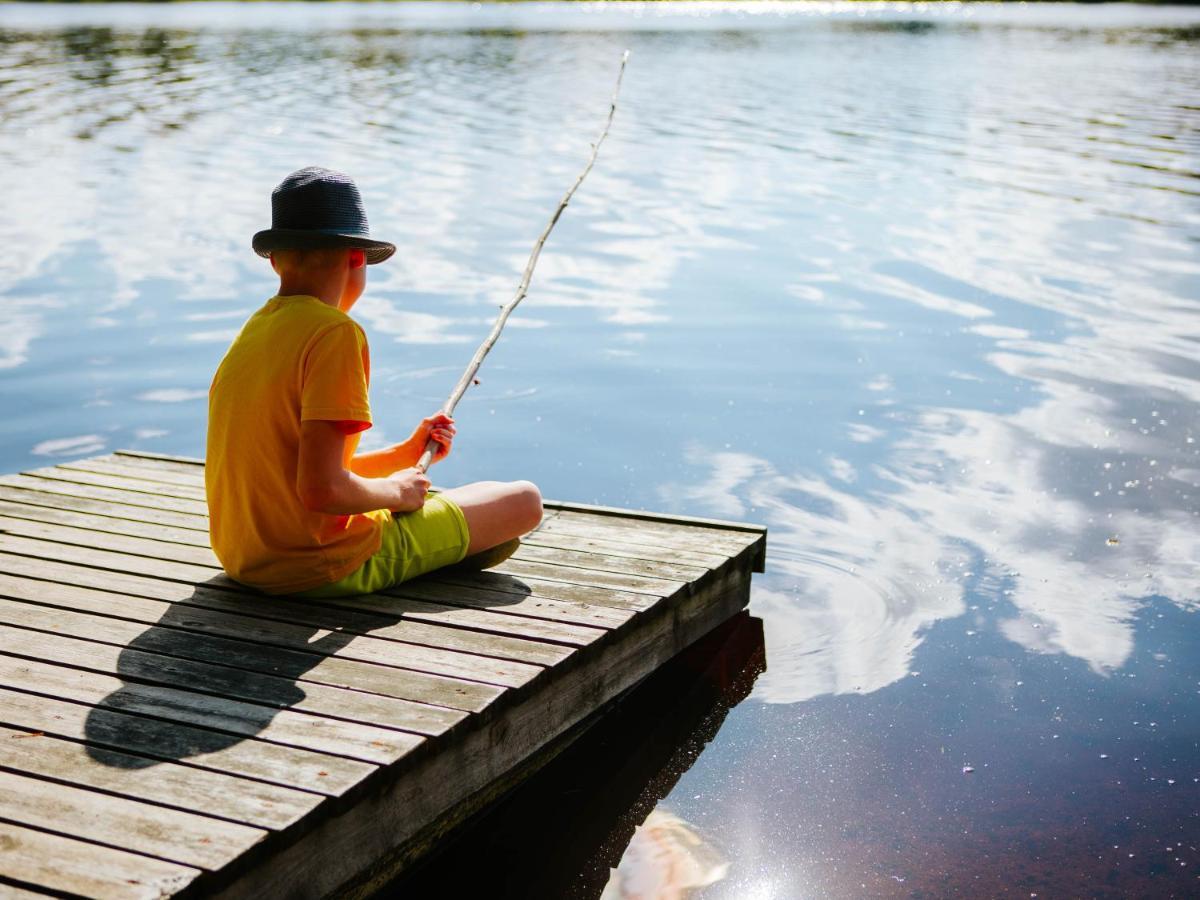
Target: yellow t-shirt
295, 359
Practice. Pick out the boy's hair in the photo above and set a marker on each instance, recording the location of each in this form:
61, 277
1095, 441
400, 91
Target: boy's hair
307, 260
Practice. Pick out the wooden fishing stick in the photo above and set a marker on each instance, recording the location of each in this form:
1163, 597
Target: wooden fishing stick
489, 342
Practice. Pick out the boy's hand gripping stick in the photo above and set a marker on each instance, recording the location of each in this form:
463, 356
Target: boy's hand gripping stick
523, 287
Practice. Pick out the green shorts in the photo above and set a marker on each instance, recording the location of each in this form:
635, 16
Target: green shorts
414, 543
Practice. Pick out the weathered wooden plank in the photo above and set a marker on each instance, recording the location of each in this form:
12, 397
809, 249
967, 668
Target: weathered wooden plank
589, 560
629, 549
572, 521
555, 576
502, 647
515, 599
57, 515
638, 584
442, 690
87, 870
122, 482
35, 499
103, 559
244, 618
654, 529
490, 591
166, 459
672, 539
192, 530
414, 657
116, 466
499, 626
119, 543
540, 588
93, 534
82, 575
368, 614
108, 730
658, 518
127, 498
403, 684
681, 537
171, 834
168, 784
147, 657
196, 467
600, 535
647, 529
280, 726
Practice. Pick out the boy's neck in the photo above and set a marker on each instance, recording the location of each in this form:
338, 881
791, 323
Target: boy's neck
328, 287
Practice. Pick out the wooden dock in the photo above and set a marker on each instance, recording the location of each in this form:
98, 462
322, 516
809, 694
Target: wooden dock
164, 732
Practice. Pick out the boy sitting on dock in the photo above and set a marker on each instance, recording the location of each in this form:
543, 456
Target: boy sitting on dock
293, 508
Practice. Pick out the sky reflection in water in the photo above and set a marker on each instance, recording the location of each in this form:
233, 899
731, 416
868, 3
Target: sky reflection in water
918, 290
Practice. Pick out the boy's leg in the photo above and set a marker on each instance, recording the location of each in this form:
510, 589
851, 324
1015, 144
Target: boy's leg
497, 511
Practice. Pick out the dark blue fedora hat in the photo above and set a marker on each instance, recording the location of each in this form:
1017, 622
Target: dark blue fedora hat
314, 208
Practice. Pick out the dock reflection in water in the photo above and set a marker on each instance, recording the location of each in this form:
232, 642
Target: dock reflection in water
589, 825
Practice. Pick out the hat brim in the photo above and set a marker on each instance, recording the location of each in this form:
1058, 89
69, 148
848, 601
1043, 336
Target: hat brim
297, 239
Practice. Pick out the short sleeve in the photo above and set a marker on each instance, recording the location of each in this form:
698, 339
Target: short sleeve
336, 372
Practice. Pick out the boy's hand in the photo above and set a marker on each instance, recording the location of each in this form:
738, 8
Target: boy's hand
410, 486
438, 428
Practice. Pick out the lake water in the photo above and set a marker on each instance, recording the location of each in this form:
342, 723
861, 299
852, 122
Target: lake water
918, 288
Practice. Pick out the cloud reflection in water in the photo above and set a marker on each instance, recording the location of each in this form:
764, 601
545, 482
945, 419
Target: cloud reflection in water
1067, 513
666, 860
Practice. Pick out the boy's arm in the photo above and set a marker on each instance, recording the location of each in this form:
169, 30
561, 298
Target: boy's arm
381, 463
326, 485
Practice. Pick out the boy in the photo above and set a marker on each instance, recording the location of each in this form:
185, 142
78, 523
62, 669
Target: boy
293, 509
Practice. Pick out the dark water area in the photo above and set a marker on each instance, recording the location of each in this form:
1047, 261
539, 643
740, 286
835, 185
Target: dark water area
564, 831
916, 287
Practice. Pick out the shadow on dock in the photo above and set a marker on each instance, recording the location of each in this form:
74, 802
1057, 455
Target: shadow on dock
562, 832
196, 647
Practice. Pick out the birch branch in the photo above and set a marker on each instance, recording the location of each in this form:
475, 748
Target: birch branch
490, 341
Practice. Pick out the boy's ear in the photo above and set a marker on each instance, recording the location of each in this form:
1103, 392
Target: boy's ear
358, 258
274, 265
